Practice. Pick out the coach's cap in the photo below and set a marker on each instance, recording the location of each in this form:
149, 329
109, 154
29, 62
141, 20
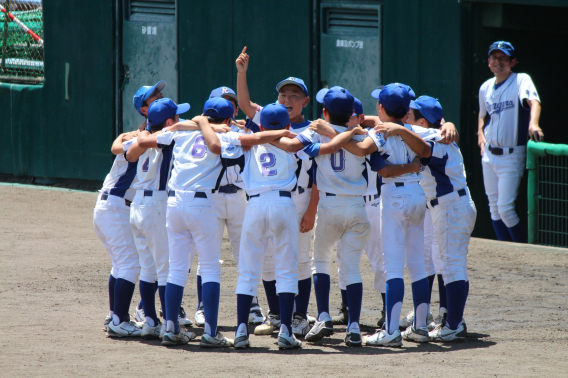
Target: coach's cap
337, 100
274, 117
357, 107
218, 107
395, 97
224, 91
429, 107
146, 91
506, 47
163, 109
292, 81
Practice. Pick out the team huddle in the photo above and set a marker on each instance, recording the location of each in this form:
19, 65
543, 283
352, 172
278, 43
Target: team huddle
392, 186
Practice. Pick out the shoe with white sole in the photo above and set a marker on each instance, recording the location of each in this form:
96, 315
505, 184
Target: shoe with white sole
219, 341
151, 333
139, 314
320, 330
383, 339
444, 333
182, 318
408, 320
311, 319
108, 319
287, 342
271, 323
342, 317
241, 340
182, 337
419, 335
162, 331
256, 316
200, 317
300, 325
127, 328
441, 312
381, 320
353, 339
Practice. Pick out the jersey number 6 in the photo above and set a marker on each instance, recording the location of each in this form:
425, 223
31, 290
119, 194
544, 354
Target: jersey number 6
268, 160
338, 161
199, 148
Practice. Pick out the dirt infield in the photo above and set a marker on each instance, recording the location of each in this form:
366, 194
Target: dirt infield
53, 300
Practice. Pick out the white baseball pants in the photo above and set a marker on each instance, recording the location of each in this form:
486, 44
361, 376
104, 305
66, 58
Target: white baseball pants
431, 249
502, 176
148, 223
341, 218
374, 247
269, 217
402, 228
111, 220
304, 243
454, 219
193, 226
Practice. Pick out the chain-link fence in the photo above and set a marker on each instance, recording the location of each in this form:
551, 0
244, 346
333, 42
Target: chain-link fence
21, 41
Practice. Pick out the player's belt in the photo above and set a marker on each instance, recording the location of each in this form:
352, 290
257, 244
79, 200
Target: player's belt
500, 150
434, 202
104, 197
330, 194
150, 193
283, 193
231, 189
398, 184
172, 193
370, 198
301, 190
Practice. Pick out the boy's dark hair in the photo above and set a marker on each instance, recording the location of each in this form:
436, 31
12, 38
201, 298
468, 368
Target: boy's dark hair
339, 120
394, 114
144, 104
159, 127
418, 116
215, 120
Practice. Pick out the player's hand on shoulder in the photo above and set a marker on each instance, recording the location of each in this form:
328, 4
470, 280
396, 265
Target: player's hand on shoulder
321, 127
221, 128
535, 132
358, 130
290, 134
449, 133
130, 135
242, 61
388, 128
199, 120
417, 164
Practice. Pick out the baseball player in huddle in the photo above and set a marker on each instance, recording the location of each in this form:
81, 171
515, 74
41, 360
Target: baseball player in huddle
293, 94
452, 209
111, 222
509, 113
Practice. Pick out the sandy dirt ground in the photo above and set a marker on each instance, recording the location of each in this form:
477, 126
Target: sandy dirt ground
53, 300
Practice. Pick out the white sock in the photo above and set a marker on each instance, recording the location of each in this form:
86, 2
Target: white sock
170, 326
420, 315
354, 327
323, 316
242, 329
284, 329
207, 329
150, 321
254, 300
115, 319
110, 313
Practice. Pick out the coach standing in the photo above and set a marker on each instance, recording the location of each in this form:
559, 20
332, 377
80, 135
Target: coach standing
509, 112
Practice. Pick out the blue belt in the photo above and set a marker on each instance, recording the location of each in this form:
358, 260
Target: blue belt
283, 193
231, 189
172, 193
434, 202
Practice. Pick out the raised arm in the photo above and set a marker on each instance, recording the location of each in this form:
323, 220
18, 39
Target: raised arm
248, 107
124, 137
339, 141
211, 139
449, 133
189, 125
288, 144
263, 137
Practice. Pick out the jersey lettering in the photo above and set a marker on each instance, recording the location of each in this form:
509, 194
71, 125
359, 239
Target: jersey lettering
199, 148
338, 161
268, 160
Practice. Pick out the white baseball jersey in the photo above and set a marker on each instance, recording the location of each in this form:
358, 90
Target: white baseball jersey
195, 168
267, 167
341, 173
121, 177
232, 175
444, 171
509, 119
153, 169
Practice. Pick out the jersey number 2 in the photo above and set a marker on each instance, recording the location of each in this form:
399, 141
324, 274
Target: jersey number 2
199, 148
268, 160
338, 161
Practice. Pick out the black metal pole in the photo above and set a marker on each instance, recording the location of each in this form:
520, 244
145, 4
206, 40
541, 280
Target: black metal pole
6, 20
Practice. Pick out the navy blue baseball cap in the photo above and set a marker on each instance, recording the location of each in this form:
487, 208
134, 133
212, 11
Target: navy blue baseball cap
506, 47
274, 117
429, 107
357, 107
395, 97
163, 109
146, 91
337, 100
218, 107
293, 81
224, 91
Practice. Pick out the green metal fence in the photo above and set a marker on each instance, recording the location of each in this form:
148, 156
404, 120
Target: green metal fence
548, 193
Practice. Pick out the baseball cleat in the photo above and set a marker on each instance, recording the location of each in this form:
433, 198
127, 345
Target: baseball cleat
342, 316
271, 322
108, 320
383, 339
219, 341
353, 339
139, 314
200, 317
444, 333
256, 316
241, 340
320, 330
162, 331
408, 320
440, 316
151, 333
125, 329
381, 320
182, 337
419, 335
182, 318
311, 319
300, 325
287, 342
